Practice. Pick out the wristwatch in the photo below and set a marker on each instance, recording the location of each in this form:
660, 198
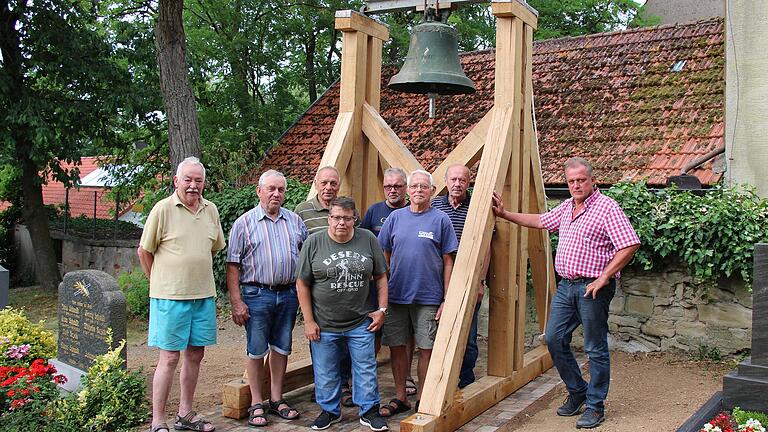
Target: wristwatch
383, 309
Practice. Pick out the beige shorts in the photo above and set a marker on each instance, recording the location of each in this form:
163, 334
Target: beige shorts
404, 321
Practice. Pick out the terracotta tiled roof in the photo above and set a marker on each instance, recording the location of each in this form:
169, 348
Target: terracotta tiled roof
81, 200
612, 97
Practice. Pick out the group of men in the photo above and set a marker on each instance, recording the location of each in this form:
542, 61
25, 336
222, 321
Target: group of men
359, 283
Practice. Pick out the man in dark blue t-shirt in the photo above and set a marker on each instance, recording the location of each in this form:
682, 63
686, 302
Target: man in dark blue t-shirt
394, 190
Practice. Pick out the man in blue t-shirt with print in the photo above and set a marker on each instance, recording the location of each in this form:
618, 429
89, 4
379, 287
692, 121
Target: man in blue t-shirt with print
394, 189
419, 243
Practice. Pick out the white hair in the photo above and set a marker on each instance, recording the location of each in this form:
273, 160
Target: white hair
191, 160
422, 172
271, 173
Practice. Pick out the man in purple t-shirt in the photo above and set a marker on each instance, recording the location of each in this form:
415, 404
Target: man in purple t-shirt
419, 243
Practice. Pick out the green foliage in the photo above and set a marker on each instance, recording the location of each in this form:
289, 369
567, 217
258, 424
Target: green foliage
708, 353
232, 203
135, 286
713, 234
16, 329
111, 399
741, 417
582, 17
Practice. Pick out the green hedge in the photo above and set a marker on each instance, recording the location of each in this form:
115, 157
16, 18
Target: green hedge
713, 234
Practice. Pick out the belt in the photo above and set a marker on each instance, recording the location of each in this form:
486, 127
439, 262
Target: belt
282, 287
582, 279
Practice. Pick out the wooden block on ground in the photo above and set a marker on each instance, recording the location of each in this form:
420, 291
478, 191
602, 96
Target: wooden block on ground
234, 413
237, 394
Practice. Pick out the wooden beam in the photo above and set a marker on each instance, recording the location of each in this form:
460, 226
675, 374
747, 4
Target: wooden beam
386, 141
504, 291
484, 393
447, 354
353, 21
513, 8
339, 148
467, 152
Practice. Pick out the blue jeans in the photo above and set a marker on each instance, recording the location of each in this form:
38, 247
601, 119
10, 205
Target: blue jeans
326, 355
569, 310
467, 374
272, 317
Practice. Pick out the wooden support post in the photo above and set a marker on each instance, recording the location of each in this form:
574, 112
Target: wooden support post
507, 166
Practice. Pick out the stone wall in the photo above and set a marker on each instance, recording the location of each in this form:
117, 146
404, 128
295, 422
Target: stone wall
108, 255
666, 311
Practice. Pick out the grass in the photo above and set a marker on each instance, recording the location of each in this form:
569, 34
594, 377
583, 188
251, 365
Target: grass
42, 305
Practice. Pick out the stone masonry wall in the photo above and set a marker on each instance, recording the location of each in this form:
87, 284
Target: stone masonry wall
667, 311
108, 255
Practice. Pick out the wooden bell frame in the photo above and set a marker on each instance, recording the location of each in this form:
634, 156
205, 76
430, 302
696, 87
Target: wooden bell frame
362, 146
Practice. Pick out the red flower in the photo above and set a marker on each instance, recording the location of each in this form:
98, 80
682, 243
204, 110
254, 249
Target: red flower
11, 393
18, 403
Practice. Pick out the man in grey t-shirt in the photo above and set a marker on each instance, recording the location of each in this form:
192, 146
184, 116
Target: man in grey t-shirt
333, 274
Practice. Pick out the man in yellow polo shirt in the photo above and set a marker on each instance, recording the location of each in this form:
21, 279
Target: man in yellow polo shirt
180, 237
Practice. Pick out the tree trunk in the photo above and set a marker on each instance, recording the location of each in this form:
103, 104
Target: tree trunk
179, 101
33, 211
36, 219
310, 49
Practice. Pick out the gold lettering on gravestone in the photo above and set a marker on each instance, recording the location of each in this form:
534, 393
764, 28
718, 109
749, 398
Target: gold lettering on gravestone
80, 325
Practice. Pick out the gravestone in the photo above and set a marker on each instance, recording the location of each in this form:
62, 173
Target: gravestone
747, 387
90, 304
4, 286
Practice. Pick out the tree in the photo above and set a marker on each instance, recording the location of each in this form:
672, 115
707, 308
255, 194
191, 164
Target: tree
60, 89
183, 131
581, 17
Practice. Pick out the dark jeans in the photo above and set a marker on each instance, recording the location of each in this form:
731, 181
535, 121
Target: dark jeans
569, 310
467, 374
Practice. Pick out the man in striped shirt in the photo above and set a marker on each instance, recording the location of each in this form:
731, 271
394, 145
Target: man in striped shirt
263, 251
315, 212
596, 242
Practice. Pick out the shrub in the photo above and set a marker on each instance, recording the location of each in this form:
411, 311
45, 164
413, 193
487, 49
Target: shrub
135, 286
112, 398
16, 331
712, 234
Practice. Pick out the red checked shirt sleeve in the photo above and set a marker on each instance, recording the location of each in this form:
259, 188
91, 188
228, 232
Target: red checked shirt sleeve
589, 241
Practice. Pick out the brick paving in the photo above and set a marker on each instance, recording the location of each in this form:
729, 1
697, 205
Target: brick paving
491, 420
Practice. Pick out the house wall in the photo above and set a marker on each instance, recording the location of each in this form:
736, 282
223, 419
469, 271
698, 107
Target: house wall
746, 96
683, 11
667, 311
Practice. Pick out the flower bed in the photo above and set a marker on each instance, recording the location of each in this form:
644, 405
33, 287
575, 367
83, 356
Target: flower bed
737, 421
111, 398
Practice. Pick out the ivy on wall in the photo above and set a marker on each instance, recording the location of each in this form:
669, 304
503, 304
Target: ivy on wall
713, 234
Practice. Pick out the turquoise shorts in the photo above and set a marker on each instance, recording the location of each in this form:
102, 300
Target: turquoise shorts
176, 324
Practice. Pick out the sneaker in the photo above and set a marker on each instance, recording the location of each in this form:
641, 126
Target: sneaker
589, 419
373, 420
572, 405
325, 420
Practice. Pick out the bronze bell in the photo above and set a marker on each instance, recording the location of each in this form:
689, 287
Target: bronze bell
432, 64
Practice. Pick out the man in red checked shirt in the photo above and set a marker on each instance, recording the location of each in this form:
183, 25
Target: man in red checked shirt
596, 242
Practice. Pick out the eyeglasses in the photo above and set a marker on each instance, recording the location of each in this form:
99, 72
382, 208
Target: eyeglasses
420, 186
391, 187
346, 219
